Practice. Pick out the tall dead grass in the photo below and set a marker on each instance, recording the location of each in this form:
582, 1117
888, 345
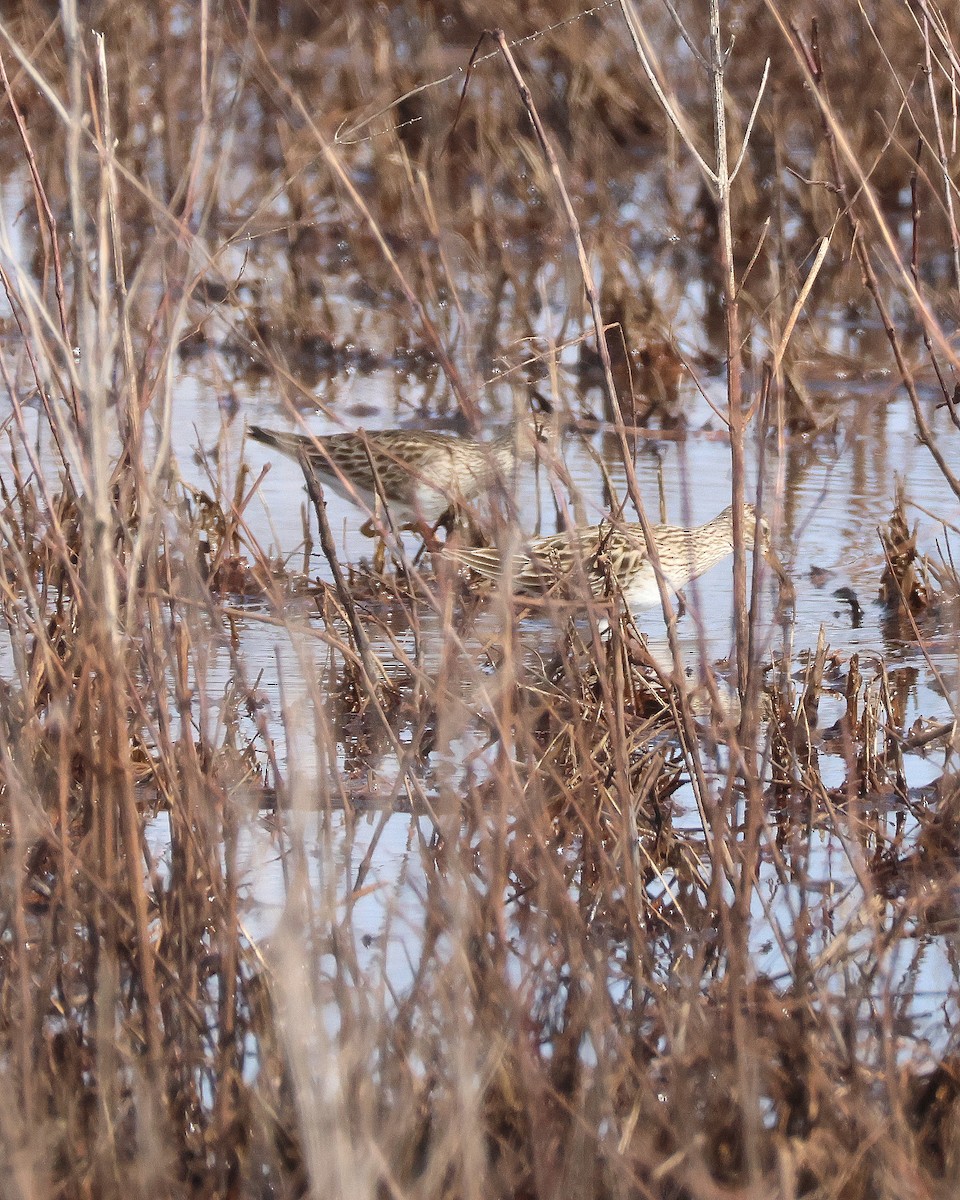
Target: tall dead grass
584, 1006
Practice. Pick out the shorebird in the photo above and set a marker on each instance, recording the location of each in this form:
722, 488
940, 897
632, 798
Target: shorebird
611, 559
424, 476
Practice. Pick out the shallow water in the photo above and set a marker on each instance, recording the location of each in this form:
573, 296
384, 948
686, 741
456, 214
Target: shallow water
828, 498
826, 495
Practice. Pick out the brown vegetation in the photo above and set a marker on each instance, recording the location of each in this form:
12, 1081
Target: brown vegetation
660, 936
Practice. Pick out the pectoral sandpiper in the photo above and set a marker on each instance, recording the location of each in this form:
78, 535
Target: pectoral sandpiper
423, 475
608, 559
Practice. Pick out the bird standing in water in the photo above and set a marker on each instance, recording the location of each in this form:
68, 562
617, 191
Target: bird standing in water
425, 477
612, 558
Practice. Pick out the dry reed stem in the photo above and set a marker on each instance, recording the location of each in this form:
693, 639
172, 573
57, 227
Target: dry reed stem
690, 741
838, 145
577, 1010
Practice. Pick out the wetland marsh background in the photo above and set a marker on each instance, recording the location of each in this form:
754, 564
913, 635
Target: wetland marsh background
322, 880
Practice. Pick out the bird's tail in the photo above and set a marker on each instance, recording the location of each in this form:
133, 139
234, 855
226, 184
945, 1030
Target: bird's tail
485, 562
286, 443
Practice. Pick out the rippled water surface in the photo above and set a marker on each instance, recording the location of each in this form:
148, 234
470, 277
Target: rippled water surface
828, 495
825, 493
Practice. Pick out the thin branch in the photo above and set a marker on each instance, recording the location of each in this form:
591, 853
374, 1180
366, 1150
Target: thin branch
753, 117
682, 29
644, 51
822, 248
942, 154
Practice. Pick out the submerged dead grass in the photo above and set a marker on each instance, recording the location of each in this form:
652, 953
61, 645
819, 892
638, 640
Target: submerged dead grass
574, 995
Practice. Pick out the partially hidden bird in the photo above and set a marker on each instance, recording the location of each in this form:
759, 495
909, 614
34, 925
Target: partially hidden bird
612, 558
423, 475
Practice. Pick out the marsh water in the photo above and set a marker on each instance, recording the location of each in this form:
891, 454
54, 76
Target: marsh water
831, 494
827, 492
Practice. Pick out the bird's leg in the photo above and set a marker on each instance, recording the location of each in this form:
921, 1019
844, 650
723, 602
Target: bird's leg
428, 537
427, 534
380, 552
369, 529
681, 604
463, 523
